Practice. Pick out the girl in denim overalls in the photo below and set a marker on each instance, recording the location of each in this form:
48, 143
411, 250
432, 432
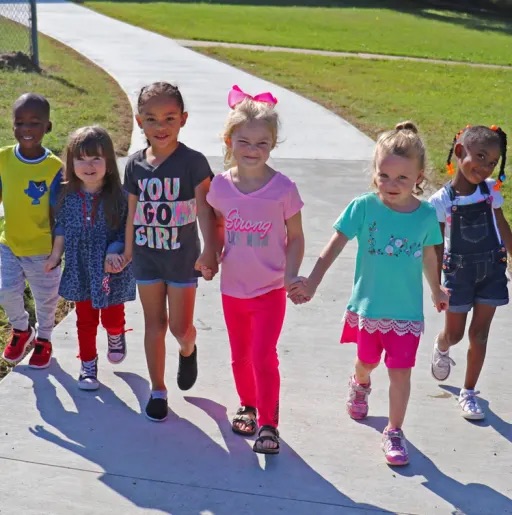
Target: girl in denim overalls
474, 256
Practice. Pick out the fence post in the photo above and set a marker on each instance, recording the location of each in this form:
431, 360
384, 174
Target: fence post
33, 40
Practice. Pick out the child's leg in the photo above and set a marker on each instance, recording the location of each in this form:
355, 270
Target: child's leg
453, 332
401, 350
87, 319
239, 327
369, 350
399, 391
400, 358
113, 320
363, 371
181, 317
478, 334
45, 289
181, 323
12, 286
153, 298
268, 313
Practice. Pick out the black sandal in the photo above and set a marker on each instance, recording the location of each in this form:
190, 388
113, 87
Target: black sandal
242, 416
267, 438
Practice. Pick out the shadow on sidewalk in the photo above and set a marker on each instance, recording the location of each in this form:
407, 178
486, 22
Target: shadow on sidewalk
490, 420
470, 499
174, 466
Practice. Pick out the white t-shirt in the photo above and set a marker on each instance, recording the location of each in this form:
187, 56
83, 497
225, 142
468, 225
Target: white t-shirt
443, 204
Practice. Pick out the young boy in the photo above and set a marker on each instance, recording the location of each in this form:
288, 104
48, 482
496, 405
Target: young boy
30, 178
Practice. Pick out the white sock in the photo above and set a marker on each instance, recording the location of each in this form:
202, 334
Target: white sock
159, 394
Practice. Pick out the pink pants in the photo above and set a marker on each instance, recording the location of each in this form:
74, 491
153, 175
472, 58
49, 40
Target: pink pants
254, 326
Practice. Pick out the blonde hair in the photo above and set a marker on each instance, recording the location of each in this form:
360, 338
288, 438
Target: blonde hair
402, 141
247, 111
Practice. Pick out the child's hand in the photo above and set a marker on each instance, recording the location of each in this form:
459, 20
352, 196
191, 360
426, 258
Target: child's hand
207, 264
296, 288
114, 263
441, 299
51, 263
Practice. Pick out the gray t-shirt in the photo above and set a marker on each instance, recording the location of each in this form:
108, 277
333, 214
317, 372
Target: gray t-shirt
166, 240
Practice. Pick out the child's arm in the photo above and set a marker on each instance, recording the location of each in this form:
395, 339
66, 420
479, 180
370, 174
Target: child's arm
440, 295
219, 234
504, 229
208, 226
294, 249
327, 257
128, 235
439, 253
114, 261
55, 257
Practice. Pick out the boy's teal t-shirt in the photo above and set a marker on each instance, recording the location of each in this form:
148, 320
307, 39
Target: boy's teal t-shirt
388, 281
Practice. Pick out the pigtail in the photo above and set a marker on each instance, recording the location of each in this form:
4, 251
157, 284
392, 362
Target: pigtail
503, 143
449, 166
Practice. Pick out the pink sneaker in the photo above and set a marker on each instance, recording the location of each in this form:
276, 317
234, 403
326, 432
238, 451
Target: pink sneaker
395, 447
357, 402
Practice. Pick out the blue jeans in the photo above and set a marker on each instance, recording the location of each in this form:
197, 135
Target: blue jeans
45, 287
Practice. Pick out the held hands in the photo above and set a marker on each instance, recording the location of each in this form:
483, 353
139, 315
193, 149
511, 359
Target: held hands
208, 264
299, 291
115, 263
441, 299
51, 263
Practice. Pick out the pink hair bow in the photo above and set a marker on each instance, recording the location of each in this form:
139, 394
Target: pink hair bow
236, 95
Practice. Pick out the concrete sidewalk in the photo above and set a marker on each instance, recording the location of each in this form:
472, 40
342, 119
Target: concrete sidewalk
67, 451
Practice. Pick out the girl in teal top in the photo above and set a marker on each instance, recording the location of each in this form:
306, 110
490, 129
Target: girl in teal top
396, 235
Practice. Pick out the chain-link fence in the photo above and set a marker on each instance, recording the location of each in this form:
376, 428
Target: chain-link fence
18, 28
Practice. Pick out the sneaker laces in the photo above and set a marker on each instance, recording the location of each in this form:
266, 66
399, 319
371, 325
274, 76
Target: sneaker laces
469, 402
115, 342
443, 360
89, 368
394, 441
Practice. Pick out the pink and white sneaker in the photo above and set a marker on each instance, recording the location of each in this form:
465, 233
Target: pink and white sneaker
395, 447
357, 402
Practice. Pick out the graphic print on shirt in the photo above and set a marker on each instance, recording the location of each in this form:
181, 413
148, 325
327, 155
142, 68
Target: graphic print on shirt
35, 190
246, 232
159, 214
395, 245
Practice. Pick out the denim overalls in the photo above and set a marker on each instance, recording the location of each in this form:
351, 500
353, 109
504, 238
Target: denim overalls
474, 265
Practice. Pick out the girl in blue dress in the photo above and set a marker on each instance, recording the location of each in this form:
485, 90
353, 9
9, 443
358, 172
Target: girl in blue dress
89, 230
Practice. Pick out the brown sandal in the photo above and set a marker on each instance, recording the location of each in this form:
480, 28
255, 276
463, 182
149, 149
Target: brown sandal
243, 416
274, 437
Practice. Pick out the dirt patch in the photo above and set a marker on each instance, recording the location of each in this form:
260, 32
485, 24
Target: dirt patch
17, 61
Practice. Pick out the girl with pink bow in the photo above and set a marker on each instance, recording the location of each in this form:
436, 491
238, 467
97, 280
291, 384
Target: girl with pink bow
258, 211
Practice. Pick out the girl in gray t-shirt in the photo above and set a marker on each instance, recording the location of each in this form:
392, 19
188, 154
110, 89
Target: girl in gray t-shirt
167, 183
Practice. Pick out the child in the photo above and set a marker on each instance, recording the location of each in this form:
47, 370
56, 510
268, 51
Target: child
474, 258
167, 183
260, 210
90, 231
30, 178
396, 234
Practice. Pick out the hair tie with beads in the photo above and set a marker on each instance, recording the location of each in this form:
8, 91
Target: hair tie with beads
449, 166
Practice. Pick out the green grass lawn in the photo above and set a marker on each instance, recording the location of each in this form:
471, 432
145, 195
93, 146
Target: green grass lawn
375, 95
396, 30
80, 94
